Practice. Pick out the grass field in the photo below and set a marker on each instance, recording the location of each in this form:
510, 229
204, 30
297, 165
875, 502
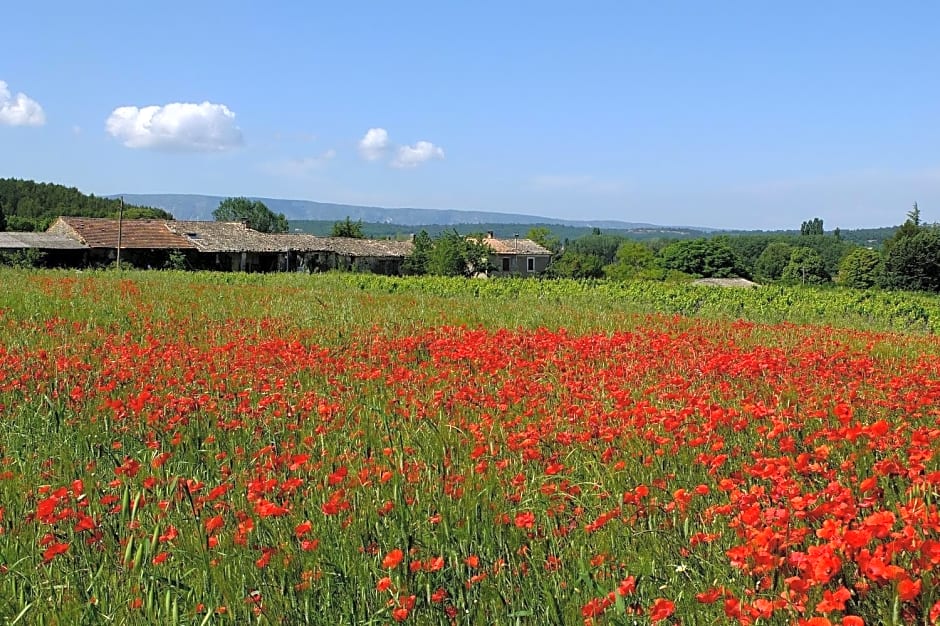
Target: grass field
339, 449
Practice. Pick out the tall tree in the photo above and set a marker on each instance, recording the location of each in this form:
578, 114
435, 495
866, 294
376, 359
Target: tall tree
633, 260
805, 267
3, 219
456, 255
253, 212
348, 228
416, 263
812, 227
861, 268
772, 261
573, 264
912, 261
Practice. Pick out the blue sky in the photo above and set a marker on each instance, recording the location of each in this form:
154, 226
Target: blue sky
724, 114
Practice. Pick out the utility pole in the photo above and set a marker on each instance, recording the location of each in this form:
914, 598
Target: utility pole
120, 233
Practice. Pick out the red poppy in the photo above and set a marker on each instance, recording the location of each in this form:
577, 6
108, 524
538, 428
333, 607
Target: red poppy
393, 559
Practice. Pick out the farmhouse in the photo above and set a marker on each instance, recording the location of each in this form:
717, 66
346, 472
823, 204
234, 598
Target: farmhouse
225, 246
516, 257
362, 255
144, 243
233, 247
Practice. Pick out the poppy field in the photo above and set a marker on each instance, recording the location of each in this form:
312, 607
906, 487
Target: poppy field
206, 449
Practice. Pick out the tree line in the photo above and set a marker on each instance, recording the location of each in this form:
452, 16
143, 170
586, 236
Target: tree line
26, 205
908, 259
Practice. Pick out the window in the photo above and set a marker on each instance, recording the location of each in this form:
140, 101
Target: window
505, 264
530, 263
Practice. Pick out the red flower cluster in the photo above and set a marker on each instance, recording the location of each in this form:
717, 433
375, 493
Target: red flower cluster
760, 473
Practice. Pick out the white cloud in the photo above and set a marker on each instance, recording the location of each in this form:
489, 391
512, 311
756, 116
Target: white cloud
411, 156
300, 168
19, 110
373, 144
181, 126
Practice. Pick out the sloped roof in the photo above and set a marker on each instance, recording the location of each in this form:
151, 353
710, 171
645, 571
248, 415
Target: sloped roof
237, 237
101, 232
213, 237
227, 237
39, 241
516, 246
350, 246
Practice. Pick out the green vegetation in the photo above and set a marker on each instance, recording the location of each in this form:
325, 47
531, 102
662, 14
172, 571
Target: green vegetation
912, 256
812, 227
347, 228
454, 254
862, 269
703, 258
32, 206
253, 212
28, 258
217, 448
805, 267
417, 262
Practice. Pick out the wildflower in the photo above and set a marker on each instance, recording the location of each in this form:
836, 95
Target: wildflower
393, 559
661, 609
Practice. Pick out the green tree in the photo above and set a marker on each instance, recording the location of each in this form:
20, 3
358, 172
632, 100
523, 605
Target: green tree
805, 267
456, 255
912, 261
545, 238
812, 227
704, 258
348, 228
597, 244
3, 219
573, 264
772, 261
416, 264
254, 212
861, 268
748, 248
633, 260
29, 205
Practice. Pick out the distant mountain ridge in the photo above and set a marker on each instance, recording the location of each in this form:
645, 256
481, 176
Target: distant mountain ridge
200, 207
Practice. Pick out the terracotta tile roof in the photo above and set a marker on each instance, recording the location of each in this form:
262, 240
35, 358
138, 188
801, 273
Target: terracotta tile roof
40, 241
516, 246
100, 232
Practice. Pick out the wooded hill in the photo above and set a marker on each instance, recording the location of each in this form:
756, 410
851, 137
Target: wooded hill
26, 205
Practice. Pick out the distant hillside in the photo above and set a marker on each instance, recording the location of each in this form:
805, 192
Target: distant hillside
500, 229
28, 205
199, 207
